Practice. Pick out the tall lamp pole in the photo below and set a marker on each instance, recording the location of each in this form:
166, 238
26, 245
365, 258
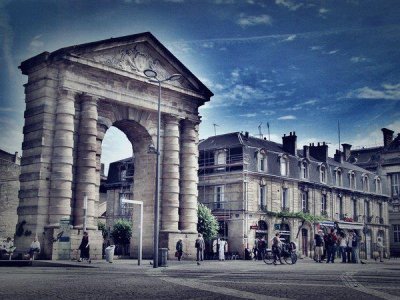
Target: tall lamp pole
153, 78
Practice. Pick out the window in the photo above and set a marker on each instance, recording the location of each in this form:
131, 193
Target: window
396, 233
284, 165
304, 170
123, 175
395, 184
352, 179
322, 174
219, 197
380, 210
285, 202
304, 202
220, 159
262, 161
323, 204
262, 201
365, 183
354, 209
378, 185
340, 201
338, 177
366, 209
126, 209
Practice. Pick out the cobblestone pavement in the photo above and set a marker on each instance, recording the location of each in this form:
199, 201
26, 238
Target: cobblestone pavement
210, 280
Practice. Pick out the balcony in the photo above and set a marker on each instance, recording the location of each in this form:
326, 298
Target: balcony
324, 213
305, 210
217, 205
285, 209
369, 219
262, 207
381, 221
355, 218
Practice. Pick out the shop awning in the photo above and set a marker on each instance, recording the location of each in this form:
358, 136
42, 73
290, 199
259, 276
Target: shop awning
350, 225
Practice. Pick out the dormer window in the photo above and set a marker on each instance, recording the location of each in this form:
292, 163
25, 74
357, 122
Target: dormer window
284, 165
220, 159
365, 183
123, 175
338, 177
378, 185
352, 179
304, 169
322, 173
262, 161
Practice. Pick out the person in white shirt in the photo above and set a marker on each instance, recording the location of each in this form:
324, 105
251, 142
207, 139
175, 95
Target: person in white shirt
34, 247
8, 247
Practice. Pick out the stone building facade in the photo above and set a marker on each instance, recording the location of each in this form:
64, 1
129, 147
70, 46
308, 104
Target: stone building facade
73, 96
9, 186
256, 187
385, 161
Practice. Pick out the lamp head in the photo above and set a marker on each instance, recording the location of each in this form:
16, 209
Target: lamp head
150, 73
174, 77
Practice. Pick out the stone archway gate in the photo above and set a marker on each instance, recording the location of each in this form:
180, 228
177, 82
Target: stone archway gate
73, 96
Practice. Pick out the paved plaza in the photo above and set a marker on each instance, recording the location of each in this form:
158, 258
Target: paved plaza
211, 280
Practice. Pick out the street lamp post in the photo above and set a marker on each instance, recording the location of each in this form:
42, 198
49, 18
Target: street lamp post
153, 78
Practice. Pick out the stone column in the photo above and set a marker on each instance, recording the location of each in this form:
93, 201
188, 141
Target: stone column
170, 176
189, 177
85, 178
62, 159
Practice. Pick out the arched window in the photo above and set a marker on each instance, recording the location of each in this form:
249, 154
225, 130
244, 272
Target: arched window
365, 183
352, 179
338, 177
322, 174
262, 225
284, 163
378, 185
262, 160
304, 169
323, 205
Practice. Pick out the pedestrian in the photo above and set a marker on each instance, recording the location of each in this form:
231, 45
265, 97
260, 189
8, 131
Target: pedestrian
179, 249
379, 245
330, 241
319, 246
34, 248
262, 245
342, 246
200, 245
85, 248
7, 247
277, 248
349, 247
222, 244
354, 247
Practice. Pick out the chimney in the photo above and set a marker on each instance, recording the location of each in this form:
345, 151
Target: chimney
346, 151
246, 134
338, 156
306, 152
289, 143
102, 170
387, 136
319, 152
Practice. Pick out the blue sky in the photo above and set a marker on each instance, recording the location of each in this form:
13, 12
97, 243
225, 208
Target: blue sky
298, 65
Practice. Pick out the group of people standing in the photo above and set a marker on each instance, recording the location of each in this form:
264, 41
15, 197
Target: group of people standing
328, 244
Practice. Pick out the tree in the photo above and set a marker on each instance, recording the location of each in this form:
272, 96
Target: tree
122, 232
102, 226
207, 224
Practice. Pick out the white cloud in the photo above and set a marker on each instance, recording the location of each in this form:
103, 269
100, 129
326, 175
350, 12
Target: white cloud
249, 115
268, 112
6, 39
245, 21
291, 5
389, 92
357, 59
322, 11
288, 117
310, 102
36, 44
315, 48
333, 51
372, 137
290, 38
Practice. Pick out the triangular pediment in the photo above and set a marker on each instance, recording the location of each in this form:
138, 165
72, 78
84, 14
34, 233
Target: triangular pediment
136, 53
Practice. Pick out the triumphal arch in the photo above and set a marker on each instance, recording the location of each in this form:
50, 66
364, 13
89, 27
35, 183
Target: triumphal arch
73, 96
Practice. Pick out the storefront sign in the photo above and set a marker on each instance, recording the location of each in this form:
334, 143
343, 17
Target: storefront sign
277, 226
253, 227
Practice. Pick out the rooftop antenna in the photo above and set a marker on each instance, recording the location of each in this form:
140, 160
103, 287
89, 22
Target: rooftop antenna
338, 126
215, 128
269, 136
259, 131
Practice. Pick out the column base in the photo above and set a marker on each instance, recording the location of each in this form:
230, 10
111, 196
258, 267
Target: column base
169, 239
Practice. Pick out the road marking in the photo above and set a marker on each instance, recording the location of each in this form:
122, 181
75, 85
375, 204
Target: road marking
278, 283
217, 289
350, 282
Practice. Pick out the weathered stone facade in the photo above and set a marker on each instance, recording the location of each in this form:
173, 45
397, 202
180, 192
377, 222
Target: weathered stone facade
73, 96
9, 186
256, 187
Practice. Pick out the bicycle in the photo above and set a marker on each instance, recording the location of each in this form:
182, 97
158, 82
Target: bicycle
287, 254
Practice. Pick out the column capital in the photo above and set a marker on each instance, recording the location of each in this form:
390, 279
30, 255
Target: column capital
88, 99
171, 119
63, 92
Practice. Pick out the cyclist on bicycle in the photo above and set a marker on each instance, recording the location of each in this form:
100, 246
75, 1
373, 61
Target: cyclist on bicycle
277, 248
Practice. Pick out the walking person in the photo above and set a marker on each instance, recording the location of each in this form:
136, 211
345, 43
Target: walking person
349, 247
342, 246
200, 245
379, 245
85, 248
354, 247
179, 249
319, 246
222, 244
330, 242
277, 248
